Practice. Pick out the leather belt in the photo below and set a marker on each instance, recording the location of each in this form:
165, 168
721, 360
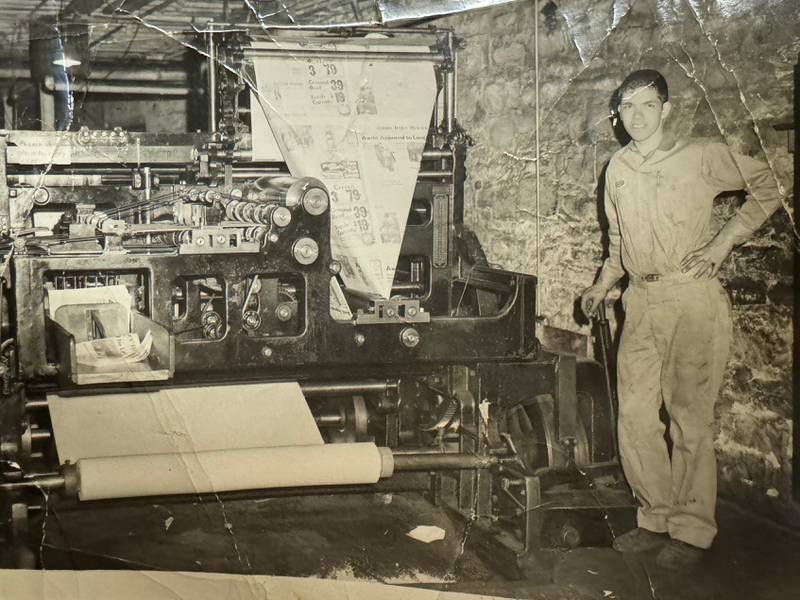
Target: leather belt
663, 278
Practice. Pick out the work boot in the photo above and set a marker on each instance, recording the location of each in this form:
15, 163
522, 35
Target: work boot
638, 540
678, 555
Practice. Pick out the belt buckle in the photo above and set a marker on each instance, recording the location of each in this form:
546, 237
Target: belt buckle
651, 277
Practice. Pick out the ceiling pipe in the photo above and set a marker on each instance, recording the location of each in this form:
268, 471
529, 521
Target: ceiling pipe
177, 76
115, 88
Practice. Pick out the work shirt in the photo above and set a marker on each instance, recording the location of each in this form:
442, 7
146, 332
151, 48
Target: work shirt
659, 207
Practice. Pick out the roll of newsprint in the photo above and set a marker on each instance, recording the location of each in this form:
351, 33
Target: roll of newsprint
230, 470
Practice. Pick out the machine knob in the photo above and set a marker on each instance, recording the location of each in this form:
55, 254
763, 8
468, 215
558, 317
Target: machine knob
315, 201
41, 196
212, 325
211, 332
212, 196
284, 311
281, 216
409, 337
251, 320
211, 318
305, 251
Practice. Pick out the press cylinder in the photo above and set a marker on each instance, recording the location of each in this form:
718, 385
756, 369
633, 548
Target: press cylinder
232, 470
308, 192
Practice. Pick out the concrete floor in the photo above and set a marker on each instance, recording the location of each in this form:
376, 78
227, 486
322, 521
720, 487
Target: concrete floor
364, 537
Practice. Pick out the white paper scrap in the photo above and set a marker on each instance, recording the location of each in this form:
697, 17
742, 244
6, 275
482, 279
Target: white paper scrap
427, 533
114, 351
339, 308
483, 407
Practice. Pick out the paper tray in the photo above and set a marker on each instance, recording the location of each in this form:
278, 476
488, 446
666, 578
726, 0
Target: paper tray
158, 366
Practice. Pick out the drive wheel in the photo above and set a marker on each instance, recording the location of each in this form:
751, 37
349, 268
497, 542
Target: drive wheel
532, 428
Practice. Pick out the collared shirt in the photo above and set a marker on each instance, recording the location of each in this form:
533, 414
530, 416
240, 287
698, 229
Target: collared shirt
659, 206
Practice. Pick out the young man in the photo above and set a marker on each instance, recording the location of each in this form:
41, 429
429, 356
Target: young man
675, 341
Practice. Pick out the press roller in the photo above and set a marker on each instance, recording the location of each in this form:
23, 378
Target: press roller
229, 470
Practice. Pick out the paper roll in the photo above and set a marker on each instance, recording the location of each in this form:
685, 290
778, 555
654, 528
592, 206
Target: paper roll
231, 470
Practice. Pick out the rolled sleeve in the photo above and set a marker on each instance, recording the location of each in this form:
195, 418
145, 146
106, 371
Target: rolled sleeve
727, 171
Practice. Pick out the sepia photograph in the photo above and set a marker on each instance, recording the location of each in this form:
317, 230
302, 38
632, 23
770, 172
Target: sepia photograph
399, 299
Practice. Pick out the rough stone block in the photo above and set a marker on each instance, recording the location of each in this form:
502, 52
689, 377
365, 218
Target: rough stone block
513, 53
501, 133
744, 291
782, 292
495, 96
557, 43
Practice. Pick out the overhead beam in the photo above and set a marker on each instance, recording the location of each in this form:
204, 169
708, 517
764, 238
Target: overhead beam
129, 6
106, 7
38, 6
145, 13
83, 7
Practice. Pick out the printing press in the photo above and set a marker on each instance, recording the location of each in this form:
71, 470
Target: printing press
195, 269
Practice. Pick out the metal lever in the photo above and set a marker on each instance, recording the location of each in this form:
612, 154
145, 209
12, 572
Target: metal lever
604, 331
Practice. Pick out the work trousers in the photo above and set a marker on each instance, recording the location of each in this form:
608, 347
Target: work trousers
674, 347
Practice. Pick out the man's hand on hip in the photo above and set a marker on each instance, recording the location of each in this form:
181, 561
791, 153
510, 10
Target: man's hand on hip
706, 261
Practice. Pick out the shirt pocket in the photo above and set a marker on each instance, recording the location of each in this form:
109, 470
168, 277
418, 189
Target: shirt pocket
625, 195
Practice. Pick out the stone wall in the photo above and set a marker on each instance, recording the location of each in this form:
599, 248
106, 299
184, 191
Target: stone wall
730, 70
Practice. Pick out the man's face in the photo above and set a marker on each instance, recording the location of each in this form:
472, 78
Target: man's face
642, 112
